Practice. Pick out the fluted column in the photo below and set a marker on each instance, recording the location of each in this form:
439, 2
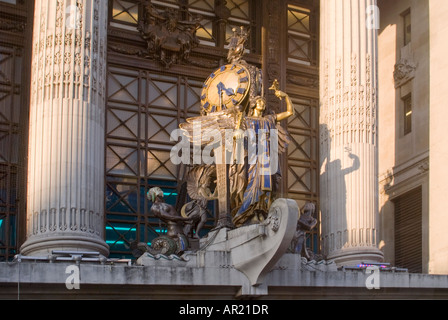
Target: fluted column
65, 196
348, 131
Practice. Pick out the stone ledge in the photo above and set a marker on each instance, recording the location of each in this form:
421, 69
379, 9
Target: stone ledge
290, 276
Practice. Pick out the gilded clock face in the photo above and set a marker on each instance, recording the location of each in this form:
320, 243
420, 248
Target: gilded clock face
225, 88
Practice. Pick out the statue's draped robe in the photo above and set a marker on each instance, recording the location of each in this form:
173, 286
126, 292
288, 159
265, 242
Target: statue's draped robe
263, 146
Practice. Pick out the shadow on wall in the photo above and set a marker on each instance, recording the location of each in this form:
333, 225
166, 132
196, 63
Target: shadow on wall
333, 191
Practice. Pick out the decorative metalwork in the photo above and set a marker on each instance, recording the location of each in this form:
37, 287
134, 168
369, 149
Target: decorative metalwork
302, 171
143, 109
170, 40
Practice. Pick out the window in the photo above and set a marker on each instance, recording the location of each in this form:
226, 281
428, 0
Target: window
10, 113
205, 8
301, 38
124, 11
125, 14
408, 231
407, 114
302, 172
143, 108
239, 16
407, 27
15, 49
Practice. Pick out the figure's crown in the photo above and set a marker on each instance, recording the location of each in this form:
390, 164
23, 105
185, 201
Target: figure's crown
236, 45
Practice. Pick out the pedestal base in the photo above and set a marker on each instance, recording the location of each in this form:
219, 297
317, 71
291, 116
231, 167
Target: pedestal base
350, 257
45, 244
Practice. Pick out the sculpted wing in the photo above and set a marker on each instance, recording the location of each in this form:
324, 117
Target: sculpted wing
199, 130
200, 177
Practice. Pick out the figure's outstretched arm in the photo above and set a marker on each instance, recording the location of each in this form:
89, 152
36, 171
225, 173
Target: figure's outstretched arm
290, 111
289, 106
167, 212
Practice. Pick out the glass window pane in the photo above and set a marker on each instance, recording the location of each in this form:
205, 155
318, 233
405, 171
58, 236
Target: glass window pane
207, 5
206, 30
10, 115
239, 9
300, 37
407, 28
120, 198
407, 115
143, 109
3, 228
298, 21
125, 11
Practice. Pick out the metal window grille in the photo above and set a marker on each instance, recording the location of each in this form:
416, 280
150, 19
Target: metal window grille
408, 231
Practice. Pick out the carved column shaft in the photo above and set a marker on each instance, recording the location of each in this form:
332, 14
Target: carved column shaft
65, 198
348, 129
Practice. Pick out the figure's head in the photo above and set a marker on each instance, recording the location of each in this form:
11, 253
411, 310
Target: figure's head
258, 105
309, 208
153, 193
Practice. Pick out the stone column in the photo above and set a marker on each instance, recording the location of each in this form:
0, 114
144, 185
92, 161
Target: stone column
348, 131
65, 200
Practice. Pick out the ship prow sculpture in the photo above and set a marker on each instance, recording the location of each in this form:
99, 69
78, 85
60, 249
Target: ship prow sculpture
241, 143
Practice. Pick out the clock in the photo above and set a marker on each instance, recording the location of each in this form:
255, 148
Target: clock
225, 88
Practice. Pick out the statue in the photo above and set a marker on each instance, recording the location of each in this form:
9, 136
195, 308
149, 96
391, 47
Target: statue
236, 46
175, 241
199, 182
169, 39
232, 100
237, 141
261, 183
305, 224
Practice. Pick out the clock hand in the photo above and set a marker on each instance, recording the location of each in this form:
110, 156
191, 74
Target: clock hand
221, 87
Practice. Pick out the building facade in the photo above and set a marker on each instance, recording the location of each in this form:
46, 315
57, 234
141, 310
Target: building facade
89, 98
409, 184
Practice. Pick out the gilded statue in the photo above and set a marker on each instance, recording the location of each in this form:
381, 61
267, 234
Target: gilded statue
236, 131
252, 202
233, 101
